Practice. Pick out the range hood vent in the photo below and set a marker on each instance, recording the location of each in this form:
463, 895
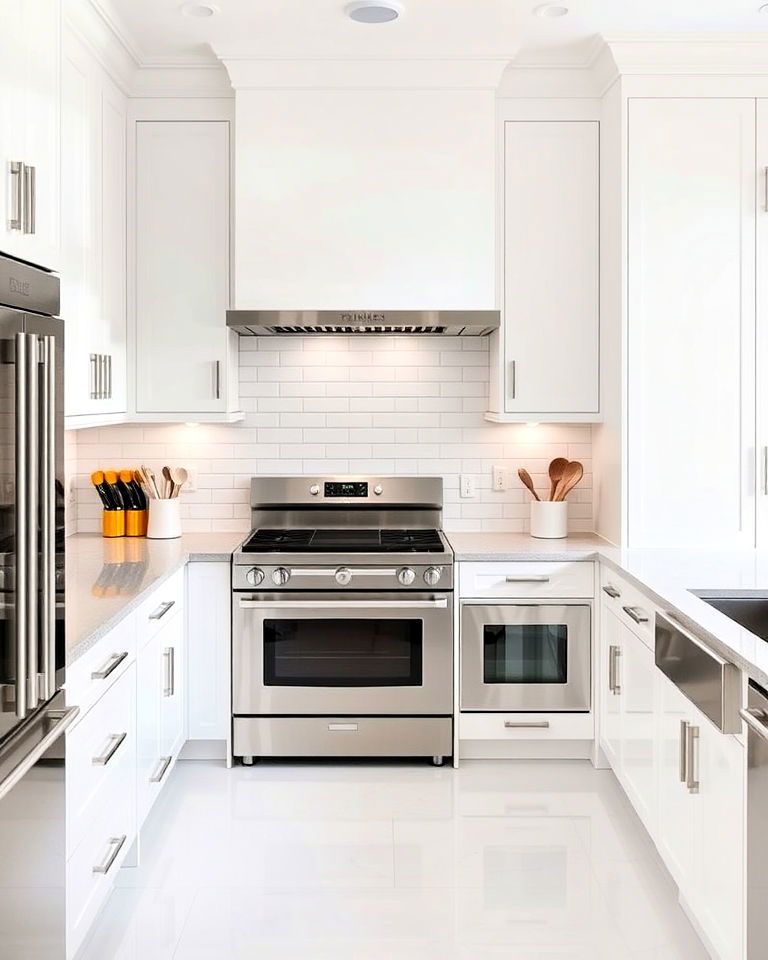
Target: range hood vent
431, 323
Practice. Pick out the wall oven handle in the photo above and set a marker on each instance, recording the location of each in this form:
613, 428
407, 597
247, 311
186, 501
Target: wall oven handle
515, 724
341, 603
538, 578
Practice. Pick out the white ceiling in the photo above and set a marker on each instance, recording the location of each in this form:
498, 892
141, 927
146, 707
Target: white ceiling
159, 33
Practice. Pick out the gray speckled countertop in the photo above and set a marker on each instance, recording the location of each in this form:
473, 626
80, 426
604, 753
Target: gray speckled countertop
107, 579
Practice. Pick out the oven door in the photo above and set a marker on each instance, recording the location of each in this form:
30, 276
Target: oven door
356, 653
526, 657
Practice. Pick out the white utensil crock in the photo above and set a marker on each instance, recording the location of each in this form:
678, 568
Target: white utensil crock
164, 519
549, 519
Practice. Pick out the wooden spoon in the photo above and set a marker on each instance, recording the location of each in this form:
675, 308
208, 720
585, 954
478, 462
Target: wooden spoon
527, 482
169, 482
179, 476
571, 476
149, 476
556, 470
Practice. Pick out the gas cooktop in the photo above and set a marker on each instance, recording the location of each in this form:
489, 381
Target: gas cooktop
333, 540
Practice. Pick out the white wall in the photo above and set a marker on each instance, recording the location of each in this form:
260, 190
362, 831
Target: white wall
364, 198
373, 405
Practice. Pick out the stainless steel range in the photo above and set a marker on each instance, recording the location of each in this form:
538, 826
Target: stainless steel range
342, 611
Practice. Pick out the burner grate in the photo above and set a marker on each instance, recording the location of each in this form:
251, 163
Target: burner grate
341, 539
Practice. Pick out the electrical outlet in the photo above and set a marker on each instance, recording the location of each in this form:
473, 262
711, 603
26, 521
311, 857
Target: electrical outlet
467, 486
191, 485
72, 493
499, 478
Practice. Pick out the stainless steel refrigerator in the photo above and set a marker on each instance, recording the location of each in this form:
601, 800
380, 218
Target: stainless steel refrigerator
33, 715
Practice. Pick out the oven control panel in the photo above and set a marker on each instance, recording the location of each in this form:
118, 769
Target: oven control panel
351, 488
344, 576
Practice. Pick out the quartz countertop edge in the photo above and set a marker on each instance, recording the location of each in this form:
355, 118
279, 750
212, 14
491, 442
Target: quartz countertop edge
138, 566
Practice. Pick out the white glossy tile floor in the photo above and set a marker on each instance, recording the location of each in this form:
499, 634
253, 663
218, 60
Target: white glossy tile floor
533, 860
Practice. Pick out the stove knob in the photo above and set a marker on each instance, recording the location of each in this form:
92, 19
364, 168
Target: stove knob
280, 576
432, 576
314, 489
255, 576
406, 576
343, 576
378, 489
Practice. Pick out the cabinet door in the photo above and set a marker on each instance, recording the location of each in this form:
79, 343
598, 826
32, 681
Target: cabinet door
691, 335
720, 840
149, 677
113, 245
676, 830
12, 67
182, 266
209, 601
610, 681
638, 725
551, 263
761, 464
171, 640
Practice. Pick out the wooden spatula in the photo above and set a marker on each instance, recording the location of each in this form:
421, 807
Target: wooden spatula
556, 470
571, 476
527, 482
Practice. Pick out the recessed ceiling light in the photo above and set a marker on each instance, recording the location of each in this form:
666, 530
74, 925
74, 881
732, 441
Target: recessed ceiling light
550, 10
200, 10
373, 11
763, 9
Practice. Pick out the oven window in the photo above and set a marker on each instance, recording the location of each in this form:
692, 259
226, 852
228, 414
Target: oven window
343, 653
525, 653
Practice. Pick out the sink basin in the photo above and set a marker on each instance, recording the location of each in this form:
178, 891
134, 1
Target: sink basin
749, 610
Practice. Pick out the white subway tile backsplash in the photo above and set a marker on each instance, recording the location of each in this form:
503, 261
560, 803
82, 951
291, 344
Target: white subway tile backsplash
373, 405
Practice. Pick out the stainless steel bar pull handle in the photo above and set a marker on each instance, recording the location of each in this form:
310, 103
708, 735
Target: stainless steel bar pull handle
611, 591
103, 758
614, 653
342, 604
161, 769
765, 187
691, 752
22, 521
16, 175
513, 379
764, 471
636, 614
755, 724
522, 578
342, 727
48, 514
62, 719
108, 390
111, 665
217, 379
115, 846
33, 481
162, 610
30, 199
683, 752
519, 724
169, 679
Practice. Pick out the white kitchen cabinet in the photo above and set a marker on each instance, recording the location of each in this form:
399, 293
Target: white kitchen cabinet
691, 322
551, 209
160, 708
761, 196
30, 33
93, 288
209, 640
186, 359
610, 688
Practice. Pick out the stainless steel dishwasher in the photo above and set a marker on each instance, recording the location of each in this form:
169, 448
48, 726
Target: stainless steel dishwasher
756, 718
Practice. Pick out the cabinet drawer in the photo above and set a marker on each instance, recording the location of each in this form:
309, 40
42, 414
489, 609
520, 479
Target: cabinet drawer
93, 674
101, 755
629, 604
523, 579
526, 726
92, 868
160, 607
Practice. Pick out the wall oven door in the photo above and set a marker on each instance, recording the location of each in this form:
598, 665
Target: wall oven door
526, 657
356, 653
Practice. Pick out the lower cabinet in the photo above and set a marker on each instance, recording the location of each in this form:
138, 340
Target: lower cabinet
684, 778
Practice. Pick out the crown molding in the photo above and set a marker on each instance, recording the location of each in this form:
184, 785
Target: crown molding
690, 53
167, 80
248, 73
95, 30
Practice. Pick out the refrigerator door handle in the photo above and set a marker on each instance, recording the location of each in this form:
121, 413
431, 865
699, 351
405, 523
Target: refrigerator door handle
48, 514
33, 508
22, 520
61, 720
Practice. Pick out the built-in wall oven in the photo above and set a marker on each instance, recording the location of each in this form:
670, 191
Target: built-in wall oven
342, 654
527, 657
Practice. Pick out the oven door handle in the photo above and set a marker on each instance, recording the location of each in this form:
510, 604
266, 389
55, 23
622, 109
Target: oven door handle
341, 604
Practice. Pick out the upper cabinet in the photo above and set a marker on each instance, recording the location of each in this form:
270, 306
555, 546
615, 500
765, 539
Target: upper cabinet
186, 359
29, 130
93, 213
691, 322
548, 350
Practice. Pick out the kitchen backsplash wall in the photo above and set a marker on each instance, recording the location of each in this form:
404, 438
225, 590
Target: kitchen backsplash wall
328, 405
